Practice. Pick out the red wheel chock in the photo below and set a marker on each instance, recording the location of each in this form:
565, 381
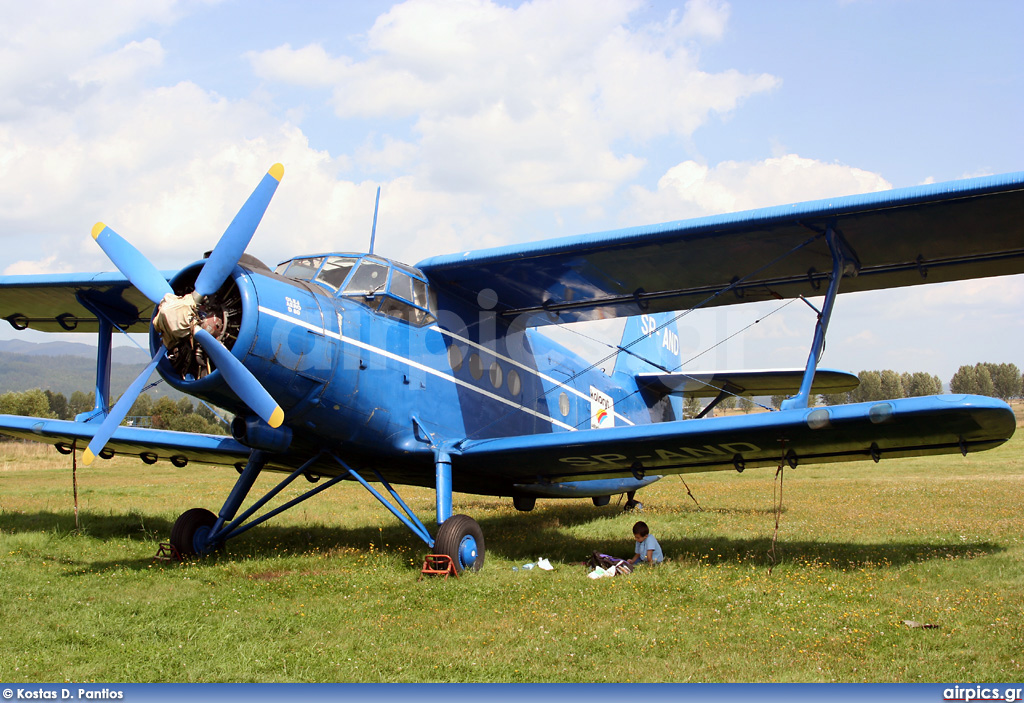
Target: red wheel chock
167, 552
437, 564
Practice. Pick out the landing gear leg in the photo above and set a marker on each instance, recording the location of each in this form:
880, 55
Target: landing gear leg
194, 531
632, 503
458, 536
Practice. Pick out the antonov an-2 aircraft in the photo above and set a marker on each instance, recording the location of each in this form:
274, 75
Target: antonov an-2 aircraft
347, 366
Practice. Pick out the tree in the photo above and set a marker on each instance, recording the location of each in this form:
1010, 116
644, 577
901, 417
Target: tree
142, 407
1006, 380
776, 400
33, 403
58, 405
691, 407
81, 402
835, 398
746, 404
965, 380
869, 388
891, 385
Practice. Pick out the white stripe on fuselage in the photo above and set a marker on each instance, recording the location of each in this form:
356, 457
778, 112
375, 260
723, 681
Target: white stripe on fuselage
414, 364
526, 368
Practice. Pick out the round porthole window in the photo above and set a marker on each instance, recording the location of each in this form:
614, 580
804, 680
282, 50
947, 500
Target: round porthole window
563, 404
476, 367
514, 384
496, 375
455, 357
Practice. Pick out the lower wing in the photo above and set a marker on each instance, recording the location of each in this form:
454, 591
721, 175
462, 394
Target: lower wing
893, 428
147, 444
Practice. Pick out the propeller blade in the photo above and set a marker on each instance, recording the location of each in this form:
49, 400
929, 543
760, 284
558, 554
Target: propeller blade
131, 263
236, 237
117, 413
241, 380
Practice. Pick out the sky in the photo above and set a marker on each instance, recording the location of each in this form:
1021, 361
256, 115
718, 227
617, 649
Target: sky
491, 123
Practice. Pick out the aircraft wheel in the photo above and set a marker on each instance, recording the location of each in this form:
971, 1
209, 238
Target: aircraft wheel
191, 531
601, 501
461, 538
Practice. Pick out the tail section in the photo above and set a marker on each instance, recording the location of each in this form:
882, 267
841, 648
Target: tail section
650, 344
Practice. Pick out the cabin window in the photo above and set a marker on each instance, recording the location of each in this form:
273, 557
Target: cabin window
495, 373
563, 404
476, 366
335, 271
455, 357
514, 383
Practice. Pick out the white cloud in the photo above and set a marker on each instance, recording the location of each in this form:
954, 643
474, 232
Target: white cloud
526, 104
691, 189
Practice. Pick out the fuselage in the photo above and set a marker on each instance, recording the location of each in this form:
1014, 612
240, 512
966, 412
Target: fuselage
366, 361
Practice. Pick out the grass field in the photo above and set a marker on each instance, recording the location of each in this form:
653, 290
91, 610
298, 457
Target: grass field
330, 590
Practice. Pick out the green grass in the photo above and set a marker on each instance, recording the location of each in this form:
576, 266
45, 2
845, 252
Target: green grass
330, 591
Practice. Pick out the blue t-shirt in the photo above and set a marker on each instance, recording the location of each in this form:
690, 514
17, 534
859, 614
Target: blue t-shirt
649, 543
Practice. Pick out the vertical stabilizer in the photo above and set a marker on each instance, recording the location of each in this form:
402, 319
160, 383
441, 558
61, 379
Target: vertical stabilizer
650, 343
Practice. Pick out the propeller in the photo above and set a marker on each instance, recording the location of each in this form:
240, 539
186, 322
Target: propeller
118, 412
176, 316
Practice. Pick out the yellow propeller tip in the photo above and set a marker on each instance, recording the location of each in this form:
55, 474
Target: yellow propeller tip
276, 417
277, 171
88, 457
97, 228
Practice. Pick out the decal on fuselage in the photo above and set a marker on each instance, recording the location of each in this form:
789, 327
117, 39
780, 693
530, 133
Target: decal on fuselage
602, 410
294, 306
669, 337
723, 452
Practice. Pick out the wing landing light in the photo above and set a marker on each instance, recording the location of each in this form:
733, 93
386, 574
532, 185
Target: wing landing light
176, 314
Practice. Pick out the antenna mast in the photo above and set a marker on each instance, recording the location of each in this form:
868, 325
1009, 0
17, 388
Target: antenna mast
373, 232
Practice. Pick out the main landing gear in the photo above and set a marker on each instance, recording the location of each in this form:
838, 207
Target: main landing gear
198, 531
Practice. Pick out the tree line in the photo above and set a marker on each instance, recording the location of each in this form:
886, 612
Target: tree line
162, 414
1003, 381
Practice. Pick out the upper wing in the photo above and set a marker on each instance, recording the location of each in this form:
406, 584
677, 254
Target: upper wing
700, 384
892, 428
928, 234
67, 302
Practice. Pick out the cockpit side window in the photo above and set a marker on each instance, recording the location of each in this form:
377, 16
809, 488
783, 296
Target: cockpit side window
304, 269
335, 271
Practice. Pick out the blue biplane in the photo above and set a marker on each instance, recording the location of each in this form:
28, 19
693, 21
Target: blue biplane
349, 366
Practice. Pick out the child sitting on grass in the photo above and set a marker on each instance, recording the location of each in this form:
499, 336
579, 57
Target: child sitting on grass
648, 551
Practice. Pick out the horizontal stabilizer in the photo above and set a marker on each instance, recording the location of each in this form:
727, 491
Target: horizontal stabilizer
699, 384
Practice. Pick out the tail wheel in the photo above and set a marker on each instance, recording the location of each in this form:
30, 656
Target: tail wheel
461, 538
191, 532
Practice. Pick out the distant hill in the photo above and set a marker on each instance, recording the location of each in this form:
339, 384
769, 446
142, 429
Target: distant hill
124, 355
66, 367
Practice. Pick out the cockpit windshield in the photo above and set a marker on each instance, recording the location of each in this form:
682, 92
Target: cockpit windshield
390, 288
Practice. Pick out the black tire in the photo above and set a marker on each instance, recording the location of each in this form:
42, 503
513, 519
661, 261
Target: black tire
461, 538
601, 501
185, 527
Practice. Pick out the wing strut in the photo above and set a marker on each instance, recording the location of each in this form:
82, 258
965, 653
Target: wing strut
843, 260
